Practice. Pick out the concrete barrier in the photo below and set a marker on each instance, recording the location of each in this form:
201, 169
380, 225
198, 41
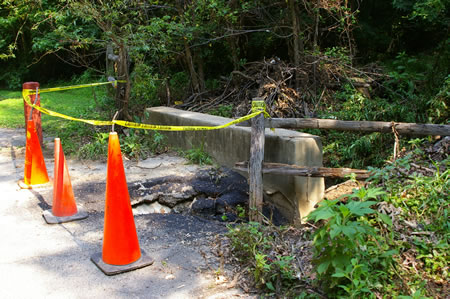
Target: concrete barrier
293, 196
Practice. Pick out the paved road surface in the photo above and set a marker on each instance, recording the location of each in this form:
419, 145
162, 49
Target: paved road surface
53, 261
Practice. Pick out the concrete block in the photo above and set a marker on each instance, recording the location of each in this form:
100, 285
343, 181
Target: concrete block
294, 196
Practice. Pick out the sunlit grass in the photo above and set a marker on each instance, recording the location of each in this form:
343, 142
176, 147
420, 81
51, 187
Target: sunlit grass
11, 109
75, 103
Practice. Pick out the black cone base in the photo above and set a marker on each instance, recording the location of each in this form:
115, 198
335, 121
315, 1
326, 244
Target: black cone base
52, 219
108, 269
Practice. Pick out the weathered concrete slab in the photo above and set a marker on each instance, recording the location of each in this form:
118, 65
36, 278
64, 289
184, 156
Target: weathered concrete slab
294, 196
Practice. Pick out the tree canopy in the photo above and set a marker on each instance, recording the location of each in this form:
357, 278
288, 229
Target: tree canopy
184, 47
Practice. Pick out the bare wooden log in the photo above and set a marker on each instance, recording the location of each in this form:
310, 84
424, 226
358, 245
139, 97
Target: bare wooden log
358, 126
256, 161
295, 170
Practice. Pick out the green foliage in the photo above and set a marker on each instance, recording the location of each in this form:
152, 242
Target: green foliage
341, 54
84, 78
198, 156
240, 211
359, 251
146, 83
422, 200
95, 149
355, 150
406, 98
438, 110
13, 79
179, 84
222, 110
351, 258
429, 11
142, 143
252, 243
425, 197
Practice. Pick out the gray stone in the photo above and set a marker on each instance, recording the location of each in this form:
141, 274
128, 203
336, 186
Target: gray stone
182, 208
172, 199
202, 205
152, 208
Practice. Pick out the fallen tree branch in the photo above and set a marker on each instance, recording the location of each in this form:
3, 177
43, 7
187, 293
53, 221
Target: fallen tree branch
359, 126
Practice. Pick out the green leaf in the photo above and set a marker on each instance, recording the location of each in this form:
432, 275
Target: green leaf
389, 253
269, 285
322, 214
385, 218
344, 210
349, 231
335, 230
372, 193
323, 267
338, 274
360, 208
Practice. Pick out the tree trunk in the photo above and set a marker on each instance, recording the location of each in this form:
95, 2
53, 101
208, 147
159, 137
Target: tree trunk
232, 42
110, 67
201, 72
298, 43
123, 89
190, 63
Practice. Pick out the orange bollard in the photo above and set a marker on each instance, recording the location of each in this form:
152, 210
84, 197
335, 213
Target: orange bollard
35, 172
64, 207
31, 86
121, 252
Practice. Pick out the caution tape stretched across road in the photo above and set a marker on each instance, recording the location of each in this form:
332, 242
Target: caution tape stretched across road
27, 92
79, 86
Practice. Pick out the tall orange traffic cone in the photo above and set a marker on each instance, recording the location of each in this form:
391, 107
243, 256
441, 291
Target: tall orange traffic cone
35, 172
64, 207
121, 250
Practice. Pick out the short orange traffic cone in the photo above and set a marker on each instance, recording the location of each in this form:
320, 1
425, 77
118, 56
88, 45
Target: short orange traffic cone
121, 250
35, 172
64, 207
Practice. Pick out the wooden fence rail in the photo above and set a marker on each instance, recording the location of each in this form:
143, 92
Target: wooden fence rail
358, 126
256, 168
295, 170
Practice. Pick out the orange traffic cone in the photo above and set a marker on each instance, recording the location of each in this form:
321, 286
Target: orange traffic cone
35, 172
64, 207
121, 250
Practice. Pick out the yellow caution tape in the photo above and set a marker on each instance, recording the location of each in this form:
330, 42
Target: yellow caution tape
114, 83
27, 92
182, 128
260, 106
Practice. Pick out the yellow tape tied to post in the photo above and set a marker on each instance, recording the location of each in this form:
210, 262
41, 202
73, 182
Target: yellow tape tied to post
260, 106
27, 92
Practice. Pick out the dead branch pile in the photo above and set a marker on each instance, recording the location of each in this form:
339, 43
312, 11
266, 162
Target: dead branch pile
290, 91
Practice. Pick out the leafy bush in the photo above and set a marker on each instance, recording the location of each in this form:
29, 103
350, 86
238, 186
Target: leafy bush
438, 110
141, 143
96, 149
271, 270
146, 83
351, 257
222, 110
198, 156
179, 84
